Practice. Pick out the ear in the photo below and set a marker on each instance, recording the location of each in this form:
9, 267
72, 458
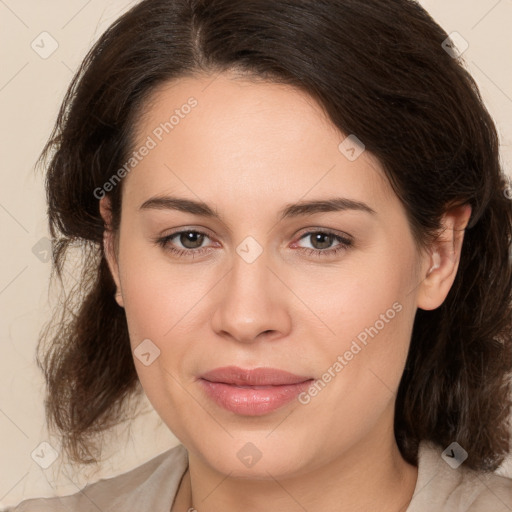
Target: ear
109, 246
441, 261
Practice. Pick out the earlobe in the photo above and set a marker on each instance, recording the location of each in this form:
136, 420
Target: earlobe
109, 246
442, 259
119, 298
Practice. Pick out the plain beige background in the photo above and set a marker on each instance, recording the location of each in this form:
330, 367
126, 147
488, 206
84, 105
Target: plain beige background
32, 85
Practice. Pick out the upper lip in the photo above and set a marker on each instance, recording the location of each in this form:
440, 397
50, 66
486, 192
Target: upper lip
253, 377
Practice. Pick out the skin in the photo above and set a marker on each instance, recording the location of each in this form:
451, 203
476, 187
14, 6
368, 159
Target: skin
249, 149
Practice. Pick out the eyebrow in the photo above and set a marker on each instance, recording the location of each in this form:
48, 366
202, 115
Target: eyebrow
335, 204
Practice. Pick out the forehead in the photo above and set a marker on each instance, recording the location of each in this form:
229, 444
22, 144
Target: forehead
223, 136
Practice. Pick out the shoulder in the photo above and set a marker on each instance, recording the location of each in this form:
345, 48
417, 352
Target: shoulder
151, 486
492, 492
444, 485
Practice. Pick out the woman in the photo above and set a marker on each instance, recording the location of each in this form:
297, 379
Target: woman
297, 238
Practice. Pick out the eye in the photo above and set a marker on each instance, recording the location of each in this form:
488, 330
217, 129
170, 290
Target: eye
322, 243
184, 243
190, 239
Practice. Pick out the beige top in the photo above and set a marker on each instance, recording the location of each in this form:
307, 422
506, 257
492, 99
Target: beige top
152, 487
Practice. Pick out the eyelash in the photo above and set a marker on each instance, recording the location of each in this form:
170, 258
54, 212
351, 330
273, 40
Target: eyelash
344, 244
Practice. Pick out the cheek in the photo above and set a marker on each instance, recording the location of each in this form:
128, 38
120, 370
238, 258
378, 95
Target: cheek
157, 294
367, 287
159, 301
367, 307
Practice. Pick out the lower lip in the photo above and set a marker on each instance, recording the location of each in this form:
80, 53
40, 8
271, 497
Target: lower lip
252, 400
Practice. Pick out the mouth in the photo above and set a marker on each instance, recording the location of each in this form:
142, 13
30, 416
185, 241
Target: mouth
252, 392
253, 377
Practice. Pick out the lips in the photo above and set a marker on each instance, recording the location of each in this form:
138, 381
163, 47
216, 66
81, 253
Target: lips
252, 392
253, 377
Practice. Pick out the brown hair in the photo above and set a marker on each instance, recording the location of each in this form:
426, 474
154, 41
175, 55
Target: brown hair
380, 71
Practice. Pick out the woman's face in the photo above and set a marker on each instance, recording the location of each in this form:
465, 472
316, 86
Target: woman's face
269, 283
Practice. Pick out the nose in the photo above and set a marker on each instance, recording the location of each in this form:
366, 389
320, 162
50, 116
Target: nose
252, 303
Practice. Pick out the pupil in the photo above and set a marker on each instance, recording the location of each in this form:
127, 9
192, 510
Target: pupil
190, 240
